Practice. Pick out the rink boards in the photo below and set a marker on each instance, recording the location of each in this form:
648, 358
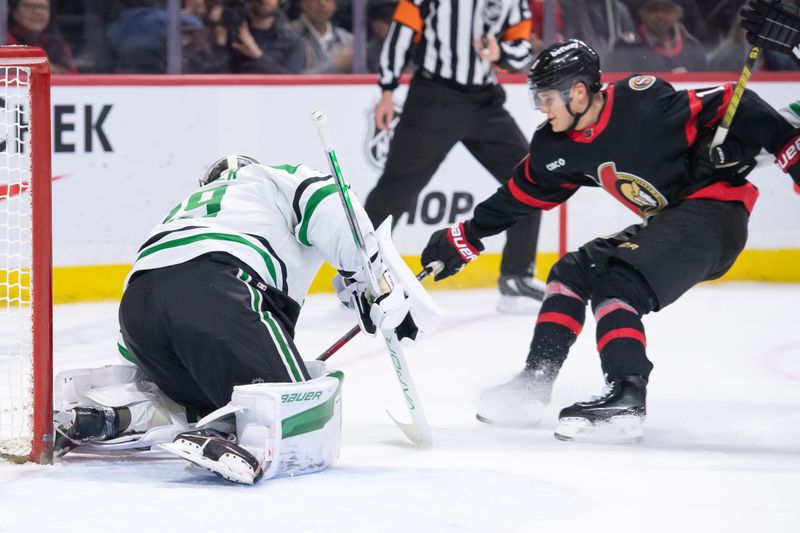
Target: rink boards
127, 148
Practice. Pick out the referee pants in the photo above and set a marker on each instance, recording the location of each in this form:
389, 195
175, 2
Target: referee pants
436, 117
199, 328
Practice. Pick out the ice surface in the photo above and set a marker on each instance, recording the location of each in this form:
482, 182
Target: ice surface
721, 450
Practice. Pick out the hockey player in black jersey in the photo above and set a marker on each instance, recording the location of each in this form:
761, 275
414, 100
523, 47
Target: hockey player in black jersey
647, 145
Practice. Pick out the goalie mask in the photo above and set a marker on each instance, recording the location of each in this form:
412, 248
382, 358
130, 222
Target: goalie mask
230, 162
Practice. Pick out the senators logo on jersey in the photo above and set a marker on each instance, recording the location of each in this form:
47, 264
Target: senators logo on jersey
640, 83
634, 192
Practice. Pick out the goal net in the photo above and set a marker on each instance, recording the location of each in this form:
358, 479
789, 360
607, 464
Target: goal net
25, 252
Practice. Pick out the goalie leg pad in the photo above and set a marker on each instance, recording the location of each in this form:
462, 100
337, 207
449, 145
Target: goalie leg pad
154, 418
288, 428
309, 433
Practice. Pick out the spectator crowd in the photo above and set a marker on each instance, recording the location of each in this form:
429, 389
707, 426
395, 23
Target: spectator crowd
315, 36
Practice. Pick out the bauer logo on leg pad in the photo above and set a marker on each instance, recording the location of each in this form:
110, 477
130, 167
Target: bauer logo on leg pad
301, 396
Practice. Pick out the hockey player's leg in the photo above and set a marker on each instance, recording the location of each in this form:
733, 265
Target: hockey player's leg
280, 429
427, 131
618, 413
521, 401
112, 407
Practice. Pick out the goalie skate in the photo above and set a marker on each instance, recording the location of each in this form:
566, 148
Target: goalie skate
518, 403
81, 425
211, 451
617, 416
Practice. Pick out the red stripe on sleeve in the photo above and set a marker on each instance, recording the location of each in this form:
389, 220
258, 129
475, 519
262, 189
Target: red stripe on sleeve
525, 198
621, 333
726, 98
527, 163
560, 318
695, 105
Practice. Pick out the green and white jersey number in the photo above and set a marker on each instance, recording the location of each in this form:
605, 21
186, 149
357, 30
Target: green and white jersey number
208, 199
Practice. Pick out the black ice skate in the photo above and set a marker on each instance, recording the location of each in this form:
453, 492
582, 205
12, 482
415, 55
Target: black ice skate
616, 416
83, 424
215, 452
520, 402
520, 295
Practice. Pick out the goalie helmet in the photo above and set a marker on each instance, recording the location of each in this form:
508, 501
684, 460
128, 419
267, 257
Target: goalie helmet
228, 162
562, 64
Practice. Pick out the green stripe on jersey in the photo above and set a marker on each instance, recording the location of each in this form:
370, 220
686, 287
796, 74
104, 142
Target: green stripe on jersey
275, 331
291, 169
124, 353
213, 237
319, 195
795, 107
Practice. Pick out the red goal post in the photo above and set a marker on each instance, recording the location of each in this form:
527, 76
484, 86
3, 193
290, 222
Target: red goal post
26, 362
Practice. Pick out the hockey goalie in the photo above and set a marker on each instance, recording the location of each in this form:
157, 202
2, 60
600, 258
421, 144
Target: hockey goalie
207, 320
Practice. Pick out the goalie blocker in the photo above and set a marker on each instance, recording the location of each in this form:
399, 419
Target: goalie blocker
266, 430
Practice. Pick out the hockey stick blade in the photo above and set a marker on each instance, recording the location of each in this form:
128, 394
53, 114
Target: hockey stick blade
423, 439
418, 431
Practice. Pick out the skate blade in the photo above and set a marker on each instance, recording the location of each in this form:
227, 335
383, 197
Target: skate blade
224, 469
618, 430
508, 422
517, 305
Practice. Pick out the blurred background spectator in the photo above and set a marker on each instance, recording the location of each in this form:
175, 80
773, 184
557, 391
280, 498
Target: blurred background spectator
258, 39
662, 43
733, 50
30, 23
130, 36
537, 25
379, 18
693, 19
600, 23
329, 49
137, 37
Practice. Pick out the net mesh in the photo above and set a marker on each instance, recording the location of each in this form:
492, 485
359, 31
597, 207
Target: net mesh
16, 321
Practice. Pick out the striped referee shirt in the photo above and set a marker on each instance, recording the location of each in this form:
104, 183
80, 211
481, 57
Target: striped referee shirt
444, 32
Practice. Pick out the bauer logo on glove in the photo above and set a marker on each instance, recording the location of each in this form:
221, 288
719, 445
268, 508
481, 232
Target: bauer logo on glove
453, 247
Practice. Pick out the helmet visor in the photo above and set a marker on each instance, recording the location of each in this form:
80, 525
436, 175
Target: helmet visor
548, 98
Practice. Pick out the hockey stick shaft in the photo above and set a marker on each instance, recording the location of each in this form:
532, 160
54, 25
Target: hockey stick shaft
344, 339
419, 431
722, 130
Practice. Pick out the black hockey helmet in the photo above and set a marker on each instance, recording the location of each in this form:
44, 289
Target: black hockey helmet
562, 64
228, 162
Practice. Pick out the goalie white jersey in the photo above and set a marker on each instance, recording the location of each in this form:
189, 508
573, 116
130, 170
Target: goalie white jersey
282, 221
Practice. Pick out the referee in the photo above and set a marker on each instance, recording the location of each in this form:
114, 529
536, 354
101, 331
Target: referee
454, 97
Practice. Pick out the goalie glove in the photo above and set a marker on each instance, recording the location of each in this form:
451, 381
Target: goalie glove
386, 312
773, 25
788, 158
453, 248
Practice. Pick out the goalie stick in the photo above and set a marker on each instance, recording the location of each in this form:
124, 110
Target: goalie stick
433, 268
419, 431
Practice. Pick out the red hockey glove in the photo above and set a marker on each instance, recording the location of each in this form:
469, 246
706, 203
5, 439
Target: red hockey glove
453, 248
789, 157
773, 25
